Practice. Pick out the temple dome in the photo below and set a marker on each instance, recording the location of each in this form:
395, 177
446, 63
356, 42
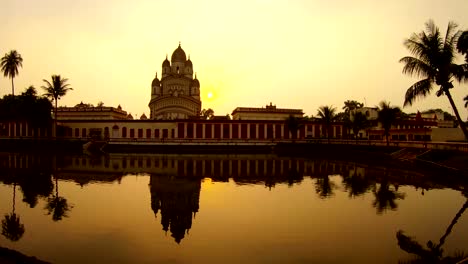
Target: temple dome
195, 83
166, 63
188, 63
178, 55
155, 81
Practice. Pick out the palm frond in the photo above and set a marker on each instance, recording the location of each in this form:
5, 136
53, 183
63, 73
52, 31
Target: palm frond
416, 67
419, 89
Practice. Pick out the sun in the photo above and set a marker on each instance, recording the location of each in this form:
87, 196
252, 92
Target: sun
210, 95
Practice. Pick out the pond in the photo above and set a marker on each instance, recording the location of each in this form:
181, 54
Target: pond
226, 209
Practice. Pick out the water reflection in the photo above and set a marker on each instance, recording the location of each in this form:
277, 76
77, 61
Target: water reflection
433, 252
175, 181
12, 228
177, 200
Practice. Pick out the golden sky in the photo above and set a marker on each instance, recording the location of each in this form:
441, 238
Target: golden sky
293, 53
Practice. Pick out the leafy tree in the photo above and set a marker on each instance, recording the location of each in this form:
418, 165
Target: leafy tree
207, 113
358, 122
55, 90
350, 105
434, 62
327, 115
387, 116
10, 64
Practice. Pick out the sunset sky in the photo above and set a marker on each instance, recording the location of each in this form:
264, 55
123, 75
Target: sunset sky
293, 53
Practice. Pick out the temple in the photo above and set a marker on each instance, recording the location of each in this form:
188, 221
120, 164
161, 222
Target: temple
177, 94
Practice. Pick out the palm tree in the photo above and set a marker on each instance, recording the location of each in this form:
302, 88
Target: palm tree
327, 114
462, 44
54, 91
12, 228
466, 101
434, 62
10, 63
387, 116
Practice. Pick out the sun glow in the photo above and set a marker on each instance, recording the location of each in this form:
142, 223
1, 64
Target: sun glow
210, 95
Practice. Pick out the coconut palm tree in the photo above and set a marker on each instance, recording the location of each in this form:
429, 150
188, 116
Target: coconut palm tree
54, 91
10, 63
462, 44
327, 114
12, 228
434, 62
387, 116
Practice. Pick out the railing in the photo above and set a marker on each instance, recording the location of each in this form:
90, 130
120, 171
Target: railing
405, 144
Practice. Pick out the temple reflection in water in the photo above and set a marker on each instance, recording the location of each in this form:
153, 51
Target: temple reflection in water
175, 180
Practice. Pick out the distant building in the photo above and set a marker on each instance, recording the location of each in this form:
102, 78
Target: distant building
270, 112
177, 94
88, 112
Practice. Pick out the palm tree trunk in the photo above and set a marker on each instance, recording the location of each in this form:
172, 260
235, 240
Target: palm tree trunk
455, 110
55, 119
12, 87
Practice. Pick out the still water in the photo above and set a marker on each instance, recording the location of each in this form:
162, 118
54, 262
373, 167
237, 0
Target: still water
225, 209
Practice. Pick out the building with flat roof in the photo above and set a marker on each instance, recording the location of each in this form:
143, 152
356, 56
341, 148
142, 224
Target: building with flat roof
88, 112
269, 112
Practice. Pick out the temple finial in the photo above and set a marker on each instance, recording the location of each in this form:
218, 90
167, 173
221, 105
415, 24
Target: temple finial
179, 43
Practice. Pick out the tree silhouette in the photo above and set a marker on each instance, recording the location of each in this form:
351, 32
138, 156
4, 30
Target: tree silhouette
434, 252
55, 90
327, 114
356, 185
387, 116
433, 60
462, 45
324, 187
10, 64
12, 228
293, 124
385, 198
57, 205
207, 113
358, 122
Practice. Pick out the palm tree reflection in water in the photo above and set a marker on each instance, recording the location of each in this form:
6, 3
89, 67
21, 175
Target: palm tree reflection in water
434, 252
12, 228
57, 206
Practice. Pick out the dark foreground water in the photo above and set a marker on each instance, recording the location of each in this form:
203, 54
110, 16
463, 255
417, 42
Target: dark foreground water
226, 209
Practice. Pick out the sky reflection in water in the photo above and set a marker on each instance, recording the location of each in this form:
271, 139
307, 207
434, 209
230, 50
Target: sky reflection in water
229, 209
